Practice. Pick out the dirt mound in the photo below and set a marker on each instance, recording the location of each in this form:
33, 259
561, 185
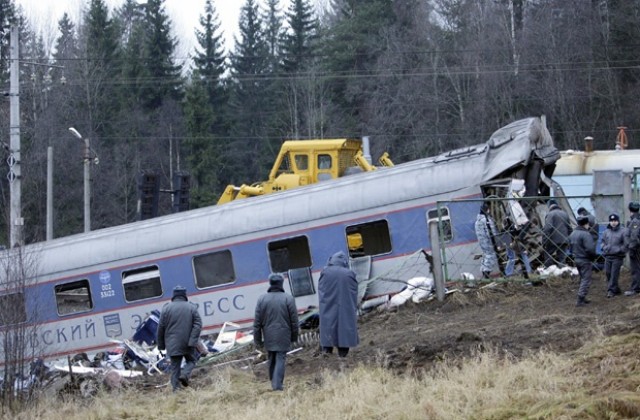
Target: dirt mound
512, 318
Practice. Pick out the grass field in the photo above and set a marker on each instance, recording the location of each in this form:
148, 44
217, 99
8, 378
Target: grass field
599, 381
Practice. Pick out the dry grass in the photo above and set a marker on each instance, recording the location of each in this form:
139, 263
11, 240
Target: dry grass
599, 381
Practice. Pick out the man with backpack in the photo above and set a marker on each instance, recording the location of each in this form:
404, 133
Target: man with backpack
633, 241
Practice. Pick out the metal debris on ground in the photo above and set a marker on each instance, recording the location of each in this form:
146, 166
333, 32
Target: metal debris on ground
137, 361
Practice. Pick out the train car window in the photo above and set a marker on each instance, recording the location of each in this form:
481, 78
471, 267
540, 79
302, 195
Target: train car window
73, 297
13, 309
301, 282
213, 269
288, 254
442, 216
371, 238
142, 283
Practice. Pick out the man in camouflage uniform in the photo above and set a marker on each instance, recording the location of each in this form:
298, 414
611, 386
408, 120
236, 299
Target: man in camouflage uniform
486, 231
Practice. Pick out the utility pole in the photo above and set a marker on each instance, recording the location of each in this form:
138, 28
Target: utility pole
16, 221
87, 177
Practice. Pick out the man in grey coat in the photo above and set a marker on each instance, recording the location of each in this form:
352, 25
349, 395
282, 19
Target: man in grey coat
178, 332
338, 299
275, 327
614, 248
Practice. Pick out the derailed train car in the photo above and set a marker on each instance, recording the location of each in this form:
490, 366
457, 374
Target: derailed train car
80, 292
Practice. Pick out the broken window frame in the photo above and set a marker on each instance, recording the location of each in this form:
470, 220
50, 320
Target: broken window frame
375, 235
298, 254
76, 285
301, 282
214, 268
145, 276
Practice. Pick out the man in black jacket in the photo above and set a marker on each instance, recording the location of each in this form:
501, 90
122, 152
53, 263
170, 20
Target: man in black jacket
178, 332
275, 327
584, 252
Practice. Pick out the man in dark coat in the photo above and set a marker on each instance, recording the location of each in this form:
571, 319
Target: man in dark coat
275, 327
178, 332
338, 299
556, 230
584, 252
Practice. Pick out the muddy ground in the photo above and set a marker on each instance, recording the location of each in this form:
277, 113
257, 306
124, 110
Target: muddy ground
511, 318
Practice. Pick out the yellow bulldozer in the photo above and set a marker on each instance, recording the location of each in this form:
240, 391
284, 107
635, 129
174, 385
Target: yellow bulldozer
304, 162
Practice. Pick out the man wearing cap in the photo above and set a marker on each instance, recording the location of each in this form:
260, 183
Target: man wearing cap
633, 243
594, 227
556, 230
584, 252
614, 249
178, 332
275, 327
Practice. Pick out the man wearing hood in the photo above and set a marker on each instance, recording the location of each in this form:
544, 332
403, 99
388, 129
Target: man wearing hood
338, 299
178, 332
275, 327
556, 230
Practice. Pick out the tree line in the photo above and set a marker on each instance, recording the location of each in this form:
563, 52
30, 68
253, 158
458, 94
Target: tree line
417, 76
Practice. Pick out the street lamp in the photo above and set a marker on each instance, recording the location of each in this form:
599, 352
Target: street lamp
87, 181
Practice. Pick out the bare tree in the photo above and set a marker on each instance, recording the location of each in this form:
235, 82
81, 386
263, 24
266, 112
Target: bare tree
19, 344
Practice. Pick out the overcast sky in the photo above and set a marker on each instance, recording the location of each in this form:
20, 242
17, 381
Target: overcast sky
184, 14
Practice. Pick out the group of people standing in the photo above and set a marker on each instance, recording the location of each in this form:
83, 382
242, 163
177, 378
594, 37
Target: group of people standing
559, 238
617, 241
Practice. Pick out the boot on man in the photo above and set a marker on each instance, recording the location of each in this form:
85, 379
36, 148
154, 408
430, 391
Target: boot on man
582, 301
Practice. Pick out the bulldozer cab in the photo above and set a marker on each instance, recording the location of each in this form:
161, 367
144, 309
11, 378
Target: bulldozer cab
315, 160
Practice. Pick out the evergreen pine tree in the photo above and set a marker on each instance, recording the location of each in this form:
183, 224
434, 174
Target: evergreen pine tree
162, 75
209, 61
103, 53
205, 105
351, 49
298, 43
249, 65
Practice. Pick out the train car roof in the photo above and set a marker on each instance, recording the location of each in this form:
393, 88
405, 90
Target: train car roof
512, 146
